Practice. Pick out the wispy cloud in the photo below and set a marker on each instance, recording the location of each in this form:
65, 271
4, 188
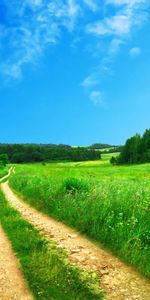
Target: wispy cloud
134, 52
31, 26
117, 25
114, 46
92, 4
128, 15
115, 29
89, 81
97, 97
24, 46
130, 3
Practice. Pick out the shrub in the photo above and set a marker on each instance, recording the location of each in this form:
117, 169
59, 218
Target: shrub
113, 160
73, 185
3, 160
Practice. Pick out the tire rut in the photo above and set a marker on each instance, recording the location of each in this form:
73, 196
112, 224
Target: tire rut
119, 281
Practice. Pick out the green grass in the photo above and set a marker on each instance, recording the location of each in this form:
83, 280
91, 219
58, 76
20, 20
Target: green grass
4, 171
110, 204
108, 156
46, 268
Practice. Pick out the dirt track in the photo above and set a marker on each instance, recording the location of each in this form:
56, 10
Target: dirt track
12, 285
118, 280
6, 176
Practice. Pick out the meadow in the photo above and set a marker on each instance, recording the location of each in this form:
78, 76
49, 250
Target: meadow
4, 171
110, 204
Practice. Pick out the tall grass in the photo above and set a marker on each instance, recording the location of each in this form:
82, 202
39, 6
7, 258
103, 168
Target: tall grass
3, 171
46, 268
115, 211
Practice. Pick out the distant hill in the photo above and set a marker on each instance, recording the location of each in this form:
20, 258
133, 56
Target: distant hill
101, 146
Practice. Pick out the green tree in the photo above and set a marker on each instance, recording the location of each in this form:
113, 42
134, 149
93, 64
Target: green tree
3, 159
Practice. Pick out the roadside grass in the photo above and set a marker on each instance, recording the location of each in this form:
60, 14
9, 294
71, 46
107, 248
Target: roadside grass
109, 204
46, 267
4, 171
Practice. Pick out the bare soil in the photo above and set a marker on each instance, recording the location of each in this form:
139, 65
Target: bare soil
12, 284
119, 281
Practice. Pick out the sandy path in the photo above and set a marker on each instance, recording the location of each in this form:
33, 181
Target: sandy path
6, 176
12, 285
118, 280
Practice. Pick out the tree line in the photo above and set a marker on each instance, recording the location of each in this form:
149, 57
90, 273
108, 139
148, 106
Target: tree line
100, 146
3, 160
135, 150
28, 153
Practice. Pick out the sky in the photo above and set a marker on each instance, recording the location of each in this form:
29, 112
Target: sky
74, 71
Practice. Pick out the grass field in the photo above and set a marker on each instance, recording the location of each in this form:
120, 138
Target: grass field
46, 268
4, 171
110, 204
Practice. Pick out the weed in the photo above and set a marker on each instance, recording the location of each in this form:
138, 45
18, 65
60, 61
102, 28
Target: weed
73, 185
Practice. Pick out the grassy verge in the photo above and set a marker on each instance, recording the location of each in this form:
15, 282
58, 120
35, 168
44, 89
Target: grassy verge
46, 268
113, 211
4, 171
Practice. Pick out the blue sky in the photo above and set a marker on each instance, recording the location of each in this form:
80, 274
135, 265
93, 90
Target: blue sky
74, 71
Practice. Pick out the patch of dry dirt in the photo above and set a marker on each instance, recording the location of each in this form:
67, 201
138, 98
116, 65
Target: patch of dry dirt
12, 284
119, 281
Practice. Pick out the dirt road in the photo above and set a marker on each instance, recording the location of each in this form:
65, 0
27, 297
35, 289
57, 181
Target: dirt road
6, 176
118, 280
12, 284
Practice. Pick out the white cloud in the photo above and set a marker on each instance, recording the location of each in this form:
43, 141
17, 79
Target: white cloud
34, 25
65, 13
135, 51
115, 29
97, 97
72, 8
99, 28
37, 25
89, 81
26, 45
129, 14
10, 70
34, 2
114, 47
120, 24
130, 3
92, 5
117, 25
